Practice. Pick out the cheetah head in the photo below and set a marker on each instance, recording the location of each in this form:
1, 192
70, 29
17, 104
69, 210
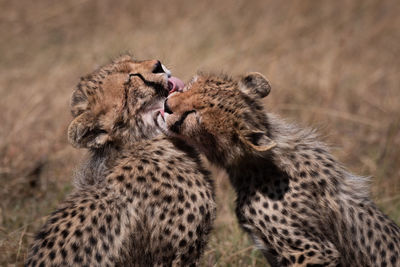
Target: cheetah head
117, 103
222, 117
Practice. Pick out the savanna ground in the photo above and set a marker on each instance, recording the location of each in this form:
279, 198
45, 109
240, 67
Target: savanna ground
333, 65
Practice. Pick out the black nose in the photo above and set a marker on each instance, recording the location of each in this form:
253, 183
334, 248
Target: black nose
166, 107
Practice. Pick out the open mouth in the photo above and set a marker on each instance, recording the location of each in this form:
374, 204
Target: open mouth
175, 85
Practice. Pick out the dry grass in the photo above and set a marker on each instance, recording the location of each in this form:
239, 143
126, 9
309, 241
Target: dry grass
333, 65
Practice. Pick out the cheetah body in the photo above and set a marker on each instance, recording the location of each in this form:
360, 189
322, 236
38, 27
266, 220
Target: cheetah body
300, 206
141, 199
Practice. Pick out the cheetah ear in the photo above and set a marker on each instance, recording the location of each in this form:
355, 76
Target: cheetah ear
83, 132
257, 140
255, 85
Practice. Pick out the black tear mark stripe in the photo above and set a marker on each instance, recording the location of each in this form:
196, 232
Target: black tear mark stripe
176, 126
158, 87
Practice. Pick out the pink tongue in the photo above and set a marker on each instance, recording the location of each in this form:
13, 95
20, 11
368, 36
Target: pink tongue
174, 84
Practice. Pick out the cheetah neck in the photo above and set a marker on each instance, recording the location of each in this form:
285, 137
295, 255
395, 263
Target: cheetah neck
99, 162
95, 167
303, 158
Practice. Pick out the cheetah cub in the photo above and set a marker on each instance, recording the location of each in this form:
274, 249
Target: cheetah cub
141, 199
300, 206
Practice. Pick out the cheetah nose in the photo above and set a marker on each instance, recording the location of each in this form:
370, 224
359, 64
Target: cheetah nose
167, 108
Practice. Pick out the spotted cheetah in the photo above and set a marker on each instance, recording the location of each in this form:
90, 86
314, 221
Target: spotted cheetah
140, 199
298, 203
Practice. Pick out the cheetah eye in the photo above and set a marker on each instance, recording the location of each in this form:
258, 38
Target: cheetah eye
177, 125
158, 68
131, 75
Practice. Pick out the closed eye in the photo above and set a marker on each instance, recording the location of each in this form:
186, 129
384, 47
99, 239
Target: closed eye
131, 75
177, 125
158, 87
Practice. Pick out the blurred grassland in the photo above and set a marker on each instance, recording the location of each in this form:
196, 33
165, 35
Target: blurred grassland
333, 65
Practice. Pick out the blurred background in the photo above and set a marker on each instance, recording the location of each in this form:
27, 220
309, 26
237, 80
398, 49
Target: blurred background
333, 65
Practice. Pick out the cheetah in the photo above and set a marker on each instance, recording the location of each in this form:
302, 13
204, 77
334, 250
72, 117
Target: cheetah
299, 204
141, 199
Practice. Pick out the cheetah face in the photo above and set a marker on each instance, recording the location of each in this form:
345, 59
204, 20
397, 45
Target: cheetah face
118, 102
222, 117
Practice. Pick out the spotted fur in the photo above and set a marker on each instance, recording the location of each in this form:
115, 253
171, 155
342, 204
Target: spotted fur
141, 199
298, 203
